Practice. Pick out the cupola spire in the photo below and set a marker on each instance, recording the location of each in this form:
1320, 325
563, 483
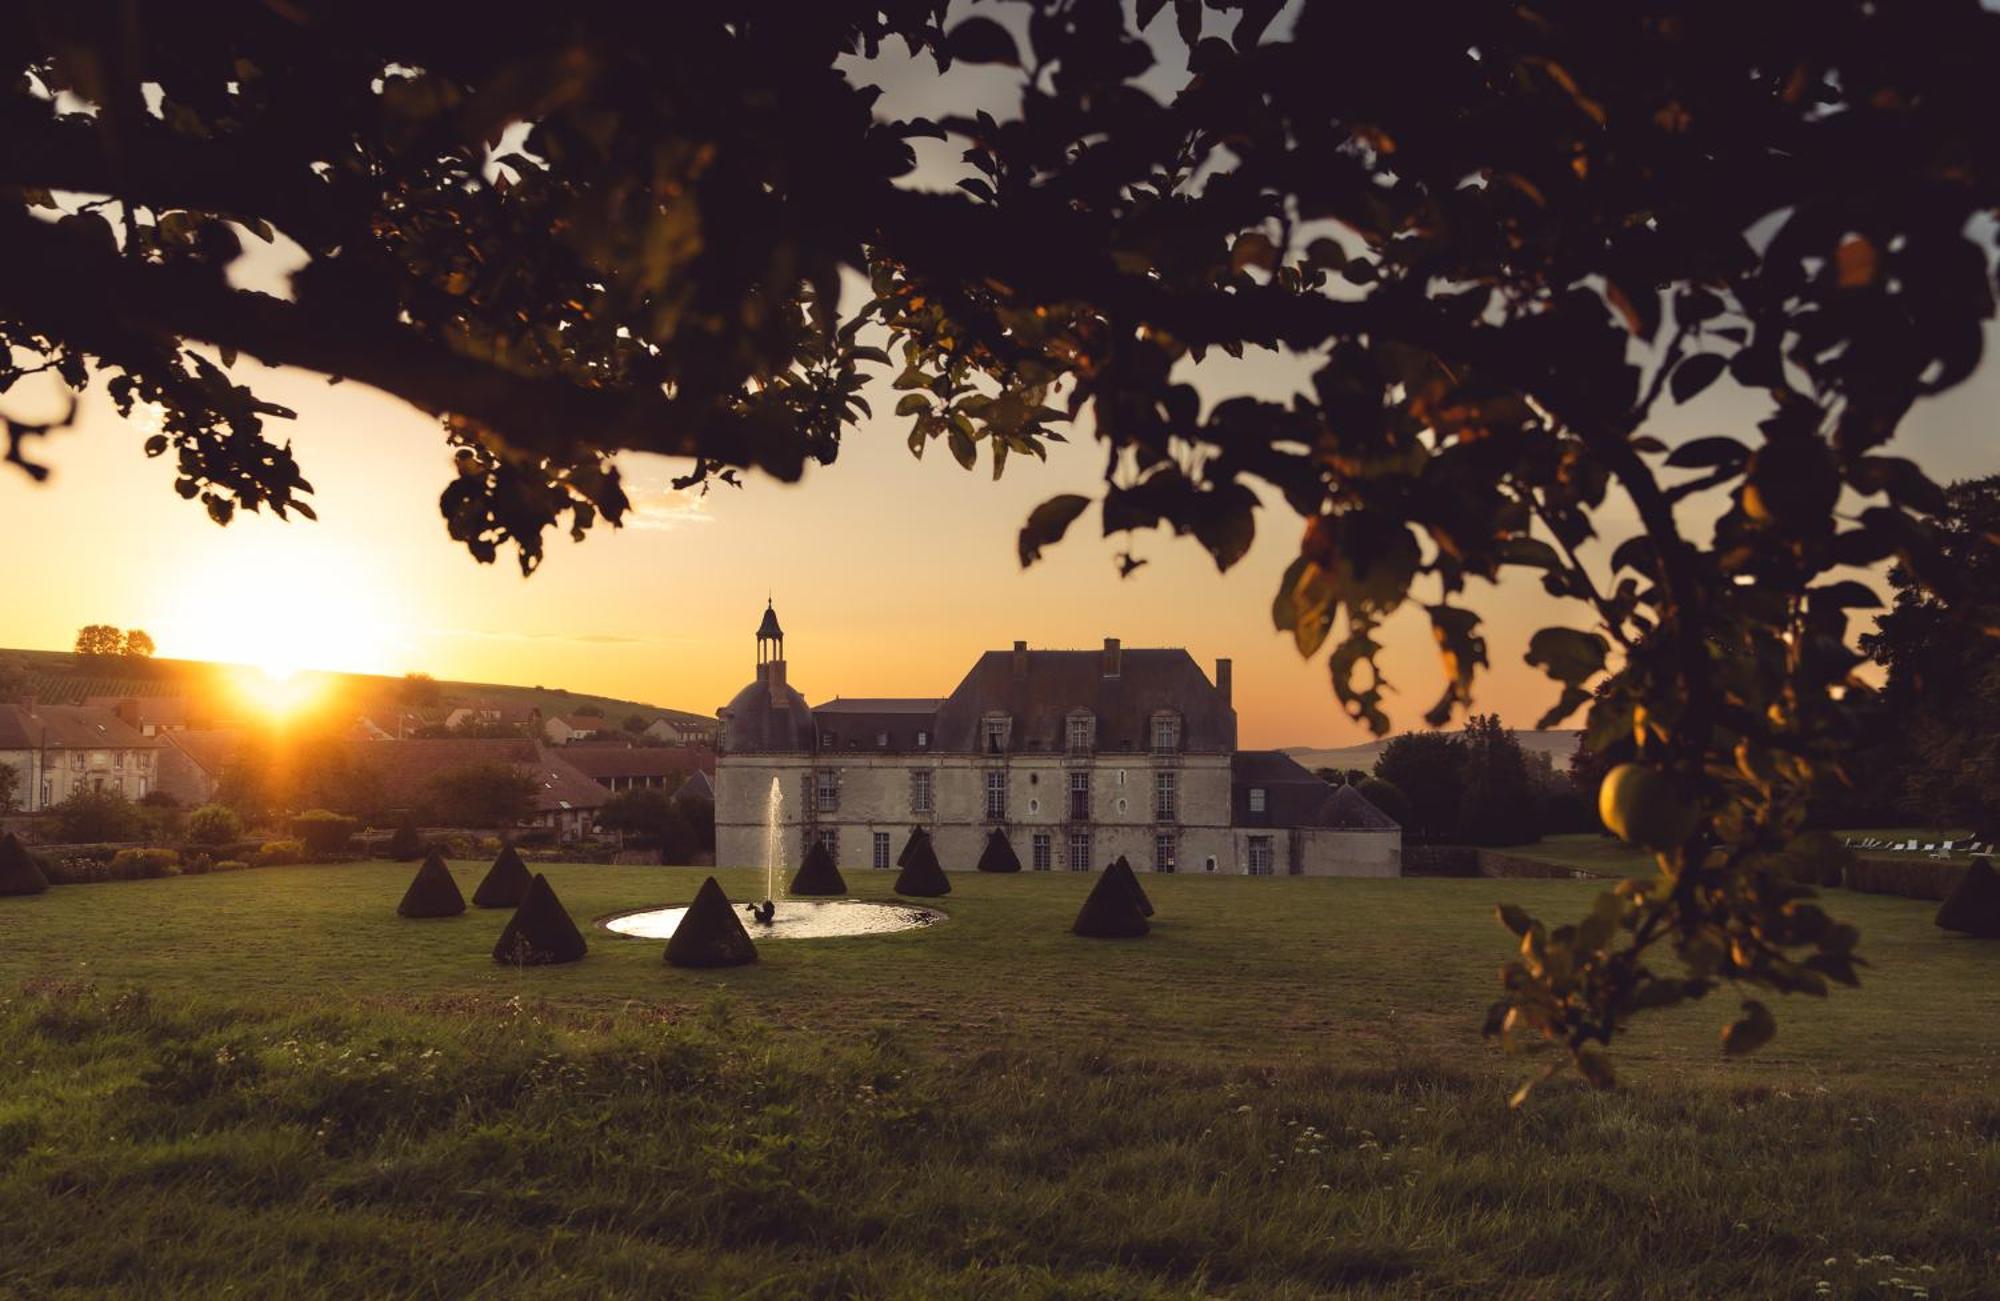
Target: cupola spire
770, 637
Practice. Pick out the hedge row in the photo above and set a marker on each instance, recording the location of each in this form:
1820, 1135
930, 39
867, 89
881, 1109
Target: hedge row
1912, 878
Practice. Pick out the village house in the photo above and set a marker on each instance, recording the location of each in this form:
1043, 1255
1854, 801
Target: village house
560, 729
57, 750
566, 800
1077, 757
628, 767
682, 730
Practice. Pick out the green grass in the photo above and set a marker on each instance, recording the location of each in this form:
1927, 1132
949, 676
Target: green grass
315, 1097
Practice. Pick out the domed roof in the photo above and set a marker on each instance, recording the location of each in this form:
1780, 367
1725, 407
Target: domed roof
755, 723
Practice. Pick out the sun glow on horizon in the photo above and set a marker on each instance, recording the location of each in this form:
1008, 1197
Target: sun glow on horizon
281, 604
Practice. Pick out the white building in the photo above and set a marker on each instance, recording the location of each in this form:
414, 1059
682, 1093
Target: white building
57, 750
1078, 757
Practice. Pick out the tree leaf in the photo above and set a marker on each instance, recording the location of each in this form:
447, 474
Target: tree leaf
1567, 654
1750, 1032
1695, 373
1700, 453
981, 40
1047, 523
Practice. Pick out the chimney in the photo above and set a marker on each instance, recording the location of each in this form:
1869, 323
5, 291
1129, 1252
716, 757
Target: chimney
774, 676
1020, 659
1224, 675
1113, 657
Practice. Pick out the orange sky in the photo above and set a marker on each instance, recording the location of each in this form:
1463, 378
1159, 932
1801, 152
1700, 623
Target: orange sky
890, 574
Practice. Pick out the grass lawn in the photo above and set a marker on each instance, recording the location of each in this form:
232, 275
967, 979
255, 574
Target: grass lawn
269, 1080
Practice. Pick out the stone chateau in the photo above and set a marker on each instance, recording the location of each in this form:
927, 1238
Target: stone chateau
1076, 756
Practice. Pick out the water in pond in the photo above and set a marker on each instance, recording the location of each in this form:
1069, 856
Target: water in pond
795, 919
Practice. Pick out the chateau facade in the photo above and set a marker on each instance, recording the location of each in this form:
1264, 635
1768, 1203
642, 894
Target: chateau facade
1077, 757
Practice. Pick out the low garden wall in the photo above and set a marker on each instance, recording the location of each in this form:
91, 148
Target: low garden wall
1912, 878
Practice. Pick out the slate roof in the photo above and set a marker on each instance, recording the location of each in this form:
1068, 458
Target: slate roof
879, 705
696, 787
761, 723
159, 711
885, 726
68, 727
1054, 682
1293, 797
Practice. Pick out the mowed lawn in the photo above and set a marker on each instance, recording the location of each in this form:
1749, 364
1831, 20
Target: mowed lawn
267, 1082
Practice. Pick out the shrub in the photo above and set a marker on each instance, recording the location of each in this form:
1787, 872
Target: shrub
96, 815
196, 864
323, 832
405, 846
280, 853
214, 824
144, 864
229, 865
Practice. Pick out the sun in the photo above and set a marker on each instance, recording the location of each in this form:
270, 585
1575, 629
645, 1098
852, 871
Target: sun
280, 603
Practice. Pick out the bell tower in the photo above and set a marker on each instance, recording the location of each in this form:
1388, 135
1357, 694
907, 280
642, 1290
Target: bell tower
770, 639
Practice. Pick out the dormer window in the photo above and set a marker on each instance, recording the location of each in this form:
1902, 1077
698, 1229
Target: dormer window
1256, 799
1166, 732
996, 733
881, 740
1082, 732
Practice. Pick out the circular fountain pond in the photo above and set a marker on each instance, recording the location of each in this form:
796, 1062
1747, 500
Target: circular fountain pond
795, 919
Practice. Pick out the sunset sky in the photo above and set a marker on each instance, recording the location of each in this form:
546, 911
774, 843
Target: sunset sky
890, 575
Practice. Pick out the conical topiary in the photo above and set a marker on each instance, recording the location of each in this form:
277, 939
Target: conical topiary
818, 874
433, 893
922, 876
711, 934
1112, 910
999, 855
506, 884
1974, 907
1129, 880
19, 872
405, 846
541, 932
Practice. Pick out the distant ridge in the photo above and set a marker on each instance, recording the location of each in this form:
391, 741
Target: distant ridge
1557, 743
62, 678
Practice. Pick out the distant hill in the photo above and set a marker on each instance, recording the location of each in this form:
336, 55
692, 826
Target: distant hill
1558, 743
61, 678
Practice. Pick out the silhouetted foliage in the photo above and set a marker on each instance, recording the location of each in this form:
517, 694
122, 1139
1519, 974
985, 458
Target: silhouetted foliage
419, 689
19, 872
1499, 804
99, 640
922, 876
1501, 236
656, 819
89, 815
1429, 769
1120, 873
817, 874
1110, 911
505, 884
541, 932
710, 933
323, 832
998, 855
10, 784
405, 845
433, 891
1386, 796
482, 795
1974, 907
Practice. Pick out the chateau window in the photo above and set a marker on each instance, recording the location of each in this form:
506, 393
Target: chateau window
1166, 796
1079, 796
1082, 729
923, 739
1164, 851
881, 859
995, 732
829, 740
1044, 856
1260, 856
1166, 732
1256, 799
996, 794
920, 791
826, 790
882, 740
828, 836
1079, 851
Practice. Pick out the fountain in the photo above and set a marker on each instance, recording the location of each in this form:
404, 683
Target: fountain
780, 918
